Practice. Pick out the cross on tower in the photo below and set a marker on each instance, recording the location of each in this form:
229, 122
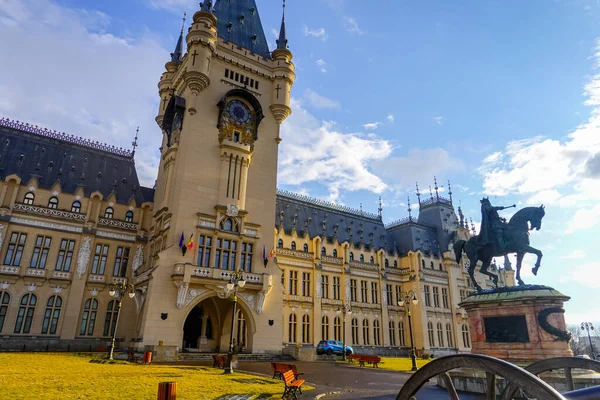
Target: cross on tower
278, 88
194, 54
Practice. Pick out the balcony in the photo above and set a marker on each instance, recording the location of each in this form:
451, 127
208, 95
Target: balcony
61, 275
50, 212
294, 253
217, 274
38, 273
363, 265
397, 271
332, 260
115, 223
9, 270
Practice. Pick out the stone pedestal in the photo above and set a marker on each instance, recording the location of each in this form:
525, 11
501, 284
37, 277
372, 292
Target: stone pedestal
163, 353
521, 323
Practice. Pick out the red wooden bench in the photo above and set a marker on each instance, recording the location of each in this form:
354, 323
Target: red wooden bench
131, 356
219, 361
374, 360
292, 385
353, 357
280, 368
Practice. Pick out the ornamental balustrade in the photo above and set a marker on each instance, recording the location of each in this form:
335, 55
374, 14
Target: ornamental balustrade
61, 275
302, 299
115, 223
9, 269
358, 304
118, 280
397, 271
50, 212
332, 260
358, 264
294, 253
41, 273
218, 274
331, 301
96, 278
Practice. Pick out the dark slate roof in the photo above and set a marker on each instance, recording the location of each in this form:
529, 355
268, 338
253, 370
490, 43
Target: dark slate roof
239, 23
28, 151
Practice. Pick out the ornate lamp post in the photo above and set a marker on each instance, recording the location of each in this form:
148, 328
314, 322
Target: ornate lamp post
405, 299
118, 291
345, 309
236, 279
587, 326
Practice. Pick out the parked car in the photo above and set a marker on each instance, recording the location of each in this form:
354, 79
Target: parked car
330, 347
584, 356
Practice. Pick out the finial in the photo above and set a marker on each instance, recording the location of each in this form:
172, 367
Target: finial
134, 144
177, 54
437, 195
361, 208
183, 24
409, 209
282, 41
460, 214
430, 192
418, 193
450, 191
206, 5
380, 209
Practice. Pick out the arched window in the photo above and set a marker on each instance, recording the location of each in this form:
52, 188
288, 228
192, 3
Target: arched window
240, 330
387, 263
366, 340
371, 260
25, 315
76, 207
280, 244
401, 334
423, 264
430, 334
53, 203
440, 333
440, 266
362, 258
449, 337
465, 335
351, 256
392, 334
88, 318
109, 212
4, 302
376, 333
395, 263
431, 264
293, 246
51, 315
110, 321
323, 251
325, 328
292, 329
129, 216
305, 248
229, 225
334, 253
337, 328
29, 198
305, 328
354, 331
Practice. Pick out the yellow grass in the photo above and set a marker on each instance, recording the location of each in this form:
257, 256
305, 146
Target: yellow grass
68, 376
400, 364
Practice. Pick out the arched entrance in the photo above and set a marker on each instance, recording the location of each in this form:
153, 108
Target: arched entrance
207, 327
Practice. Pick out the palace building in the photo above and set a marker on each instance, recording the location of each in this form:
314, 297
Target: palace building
74, 219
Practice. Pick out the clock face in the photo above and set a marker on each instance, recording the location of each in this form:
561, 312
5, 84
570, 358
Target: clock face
238, 112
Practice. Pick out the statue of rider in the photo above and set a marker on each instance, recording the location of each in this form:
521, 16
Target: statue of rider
492, 225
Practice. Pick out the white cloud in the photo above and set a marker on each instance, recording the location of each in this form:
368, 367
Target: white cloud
352, 26
549, 196
575, 254
176, 6
319, 33
317, 101
438, 120
584, 218
372, 125
390, 118
583, 274
322, 65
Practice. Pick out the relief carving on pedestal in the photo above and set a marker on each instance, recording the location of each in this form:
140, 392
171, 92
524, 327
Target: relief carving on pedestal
84, 257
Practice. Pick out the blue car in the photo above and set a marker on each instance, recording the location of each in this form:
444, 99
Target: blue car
330, 347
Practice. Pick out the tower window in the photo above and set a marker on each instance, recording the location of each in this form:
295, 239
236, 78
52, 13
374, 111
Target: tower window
53, 203
108, 213
236, 137
226, 73
29, 197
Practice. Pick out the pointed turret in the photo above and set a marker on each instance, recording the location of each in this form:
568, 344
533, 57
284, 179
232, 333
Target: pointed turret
177, 54
282, 41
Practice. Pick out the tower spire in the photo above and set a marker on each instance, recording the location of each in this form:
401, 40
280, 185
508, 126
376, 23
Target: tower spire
282, 41
418, 193
409, 209
134, 144
437, 194
177, 54
450, 191
380, 209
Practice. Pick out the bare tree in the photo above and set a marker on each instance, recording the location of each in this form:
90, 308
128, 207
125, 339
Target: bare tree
577, 343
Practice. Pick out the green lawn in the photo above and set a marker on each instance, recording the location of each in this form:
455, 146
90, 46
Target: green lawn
68, 376
400, 364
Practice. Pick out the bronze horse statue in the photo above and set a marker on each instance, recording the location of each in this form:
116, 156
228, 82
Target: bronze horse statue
516, 234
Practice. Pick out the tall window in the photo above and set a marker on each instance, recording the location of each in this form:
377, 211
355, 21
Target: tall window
389, 294
336, 287
323, 251
374, 293
354, 331
427, 296
387, 263
51, 315
14, 252
325, 286
351, 256
280, 244
25, 315
121, 260
371, 261
76, 207
29, 198
305, 248
395, 263
88, 318
440, 333
337, 328
401, 334
293, 246
306, 284
363, 292
366, 340
110, 321
305, 328
294, 283
325, 328
109, 212
246, 262
229, 225
430, 334
392, 334
40, 252
353, 290
4, 302
100, 256
436, 296
362, 258
204, 243
445, 301
449, 337
225, 255
129, 216
376, 333
240, 329
292, 329
65, 255
334, 253
398, 294
53, 203
465, 335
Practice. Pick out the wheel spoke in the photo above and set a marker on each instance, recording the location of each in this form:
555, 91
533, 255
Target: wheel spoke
569, 375
449, 386
491, 386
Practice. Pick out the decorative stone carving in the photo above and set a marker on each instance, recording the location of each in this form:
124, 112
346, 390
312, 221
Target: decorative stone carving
383, 295
4, 285
115, 223
232, 210
32, 287
31, 188
193, 293
117, 236
182, 289
319, 282
83, 257
57, 290
94, 292
262, 295
347, 283
138, 259
248, 298
140, 297
1, 235
222, 292
49, 225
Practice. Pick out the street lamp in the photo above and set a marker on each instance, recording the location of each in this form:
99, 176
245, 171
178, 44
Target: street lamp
118, 291
236, 279
344, 308
587, 326
405, 299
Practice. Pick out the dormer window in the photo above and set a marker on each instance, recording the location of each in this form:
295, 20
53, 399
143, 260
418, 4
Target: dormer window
129, 216
236, 137
351, 256
305, 248
362, 258
108, 213
334, 253
53, 203
371, 260
76, 207
29, 198
387, 263
280, 244
323, 251
293, 246
395, 264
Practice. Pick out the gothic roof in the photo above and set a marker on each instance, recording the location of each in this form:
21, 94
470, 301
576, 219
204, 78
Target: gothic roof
30, 151
239, 23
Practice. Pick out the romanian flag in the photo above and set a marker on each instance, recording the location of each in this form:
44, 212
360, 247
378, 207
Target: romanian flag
190, 243
272, 253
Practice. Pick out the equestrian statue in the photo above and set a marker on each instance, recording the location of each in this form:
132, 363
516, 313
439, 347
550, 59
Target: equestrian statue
498, 238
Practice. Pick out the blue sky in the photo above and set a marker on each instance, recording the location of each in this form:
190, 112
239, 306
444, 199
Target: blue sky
500, 97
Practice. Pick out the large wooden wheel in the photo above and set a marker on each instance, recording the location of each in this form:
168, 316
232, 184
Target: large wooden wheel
558, 363
491, 366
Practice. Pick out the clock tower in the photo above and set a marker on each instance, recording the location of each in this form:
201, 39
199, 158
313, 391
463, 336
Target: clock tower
222, 102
